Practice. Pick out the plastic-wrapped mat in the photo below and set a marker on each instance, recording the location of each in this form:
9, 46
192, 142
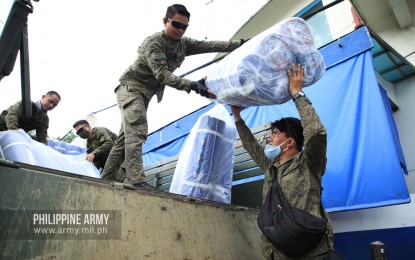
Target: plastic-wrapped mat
256, 73
205, 165
18, 146
66, 148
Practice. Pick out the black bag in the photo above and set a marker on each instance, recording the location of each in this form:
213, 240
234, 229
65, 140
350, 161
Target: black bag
291, 230
334, 255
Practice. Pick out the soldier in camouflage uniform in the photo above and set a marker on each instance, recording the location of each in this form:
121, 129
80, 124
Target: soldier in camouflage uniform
13, 118
158, 56
293, 167
99, 143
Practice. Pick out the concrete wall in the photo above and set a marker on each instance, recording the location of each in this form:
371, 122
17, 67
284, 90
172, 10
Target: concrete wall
381, 18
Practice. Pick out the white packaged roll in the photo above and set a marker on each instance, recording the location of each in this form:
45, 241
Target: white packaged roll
256, 73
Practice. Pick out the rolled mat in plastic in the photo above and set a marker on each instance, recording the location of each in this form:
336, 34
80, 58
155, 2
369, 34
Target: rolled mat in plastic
256, 73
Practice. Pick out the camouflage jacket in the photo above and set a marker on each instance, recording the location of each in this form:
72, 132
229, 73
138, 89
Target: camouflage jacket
100, 144
297, 176
159, 56
13, 118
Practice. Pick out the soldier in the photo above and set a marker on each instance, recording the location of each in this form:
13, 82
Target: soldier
99, 142
295, 168
158, 56
13, 117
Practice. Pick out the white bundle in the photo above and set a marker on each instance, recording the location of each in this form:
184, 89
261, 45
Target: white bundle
17, 145
256, 73
205, 166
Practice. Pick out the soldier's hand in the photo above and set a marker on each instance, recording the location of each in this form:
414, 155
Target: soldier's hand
90, 157
200, 88
242, 41
236, 111
296, 77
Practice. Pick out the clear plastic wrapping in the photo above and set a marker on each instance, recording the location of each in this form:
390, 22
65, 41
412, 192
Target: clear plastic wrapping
205, 165
17, 145
66, 148
256, 73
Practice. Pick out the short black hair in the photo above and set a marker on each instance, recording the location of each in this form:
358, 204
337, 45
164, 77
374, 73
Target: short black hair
177, 8
50, 93
292, 127
80, 122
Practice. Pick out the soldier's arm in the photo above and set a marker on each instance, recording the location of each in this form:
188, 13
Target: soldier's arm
156, 60
106, 143
315, 135
41, 135
13, 115
197, 47
42, 130
251, 145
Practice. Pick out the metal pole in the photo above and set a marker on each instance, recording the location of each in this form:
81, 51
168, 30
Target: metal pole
204, 65
60, 139
25, 75
309, 15
378, 250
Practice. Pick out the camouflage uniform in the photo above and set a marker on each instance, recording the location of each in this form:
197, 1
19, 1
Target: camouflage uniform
157, 58
100, 143
13, 118
297, 175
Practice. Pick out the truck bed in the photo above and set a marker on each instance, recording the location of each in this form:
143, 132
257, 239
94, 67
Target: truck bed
151, 224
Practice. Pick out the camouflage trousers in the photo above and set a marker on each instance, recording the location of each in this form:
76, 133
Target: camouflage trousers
127, 148
271, 253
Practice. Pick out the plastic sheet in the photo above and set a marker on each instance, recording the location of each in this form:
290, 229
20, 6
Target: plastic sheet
256, 73
66, 148
205, 166
17, 145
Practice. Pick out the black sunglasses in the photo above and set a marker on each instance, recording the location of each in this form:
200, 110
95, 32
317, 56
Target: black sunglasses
80, 130
178, 25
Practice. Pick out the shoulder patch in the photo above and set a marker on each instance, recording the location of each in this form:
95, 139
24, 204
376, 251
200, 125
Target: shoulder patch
163, 61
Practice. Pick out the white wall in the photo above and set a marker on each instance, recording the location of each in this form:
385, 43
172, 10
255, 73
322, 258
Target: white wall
339, 18
404, 118
402, 40
374, 218
383, 21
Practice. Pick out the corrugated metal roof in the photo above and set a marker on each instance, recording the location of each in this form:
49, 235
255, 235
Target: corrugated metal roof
389, 65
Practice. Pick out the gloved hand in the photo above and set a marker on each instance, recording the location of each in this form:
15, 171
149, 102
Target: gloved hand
200, 88
243, 41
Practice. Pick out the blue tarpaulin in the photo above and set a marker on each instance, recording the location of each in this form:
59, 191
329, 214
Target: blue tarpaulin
365, 162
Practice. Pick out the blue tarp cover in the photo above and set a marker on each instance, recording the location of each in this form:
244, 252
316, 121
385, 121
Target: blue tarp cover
365, 162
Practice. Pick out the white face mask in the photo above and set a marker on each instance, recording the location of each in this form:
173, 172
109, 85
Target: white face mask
272, 152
